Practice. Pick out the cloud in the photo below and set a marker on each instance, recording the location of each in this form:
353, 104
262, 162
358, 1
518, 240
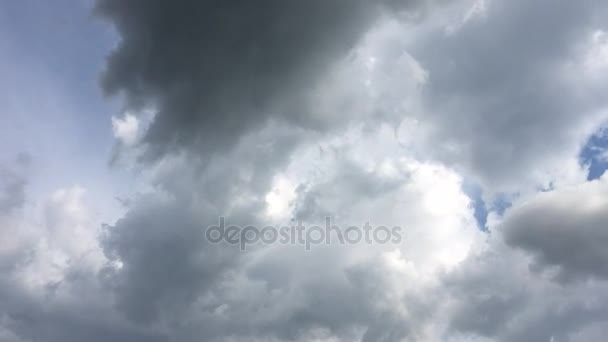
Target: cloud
497, 296
567, 220
126, 130
517, 307
508, 100
164, 261
396, 126
542, 273
215, 71
169, 274
365, 111
49, 288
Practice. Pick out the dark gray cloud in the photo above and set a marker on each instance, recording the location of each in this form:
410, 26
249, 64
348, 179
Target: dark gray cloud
215, 69
216, 72
167, 266
166, 261
74, 310
564, 230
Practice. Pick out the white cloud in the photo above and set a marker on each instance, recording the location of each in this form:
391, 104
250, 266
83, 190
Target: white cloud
127, 129
596, 58
64, 238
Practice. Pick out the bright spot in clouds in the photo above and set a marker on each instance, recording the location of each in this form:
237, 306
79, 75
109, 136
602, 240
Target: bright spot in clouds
126, 129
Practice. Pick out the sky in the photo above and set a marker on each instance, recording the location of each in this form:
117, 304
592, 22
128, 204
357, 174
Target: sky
472, 132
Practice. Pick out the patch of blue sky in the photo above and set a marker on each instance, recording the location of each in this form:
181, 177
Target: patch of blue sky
52, 107
594, 155
480, 210
483, 207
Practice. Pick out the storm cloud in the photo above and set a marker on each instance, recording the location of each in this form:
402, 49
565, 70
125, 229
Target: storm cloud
213, 70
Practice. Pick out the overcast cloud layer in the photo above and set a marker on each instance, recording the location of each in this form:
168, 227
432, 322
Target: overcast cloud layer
463, 122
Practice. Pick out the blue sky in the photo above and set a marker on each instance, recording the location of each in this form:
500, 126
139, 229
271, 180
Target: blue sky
51, 53
594, 155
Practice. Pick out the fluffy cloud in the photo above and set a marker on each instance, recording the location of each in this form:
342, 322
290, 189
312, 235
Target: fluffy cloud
49, 288
364, 111
508, 99
217, 70
169, 276
540, 278
554, 222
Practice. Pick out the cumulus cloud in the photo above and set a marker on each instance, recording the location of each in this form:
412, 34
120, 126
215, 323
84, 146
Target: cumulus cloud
554, 222
495, 297
165, 273
507, 99
362, 111
49, 288
216, 70
424, 117
539, 277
